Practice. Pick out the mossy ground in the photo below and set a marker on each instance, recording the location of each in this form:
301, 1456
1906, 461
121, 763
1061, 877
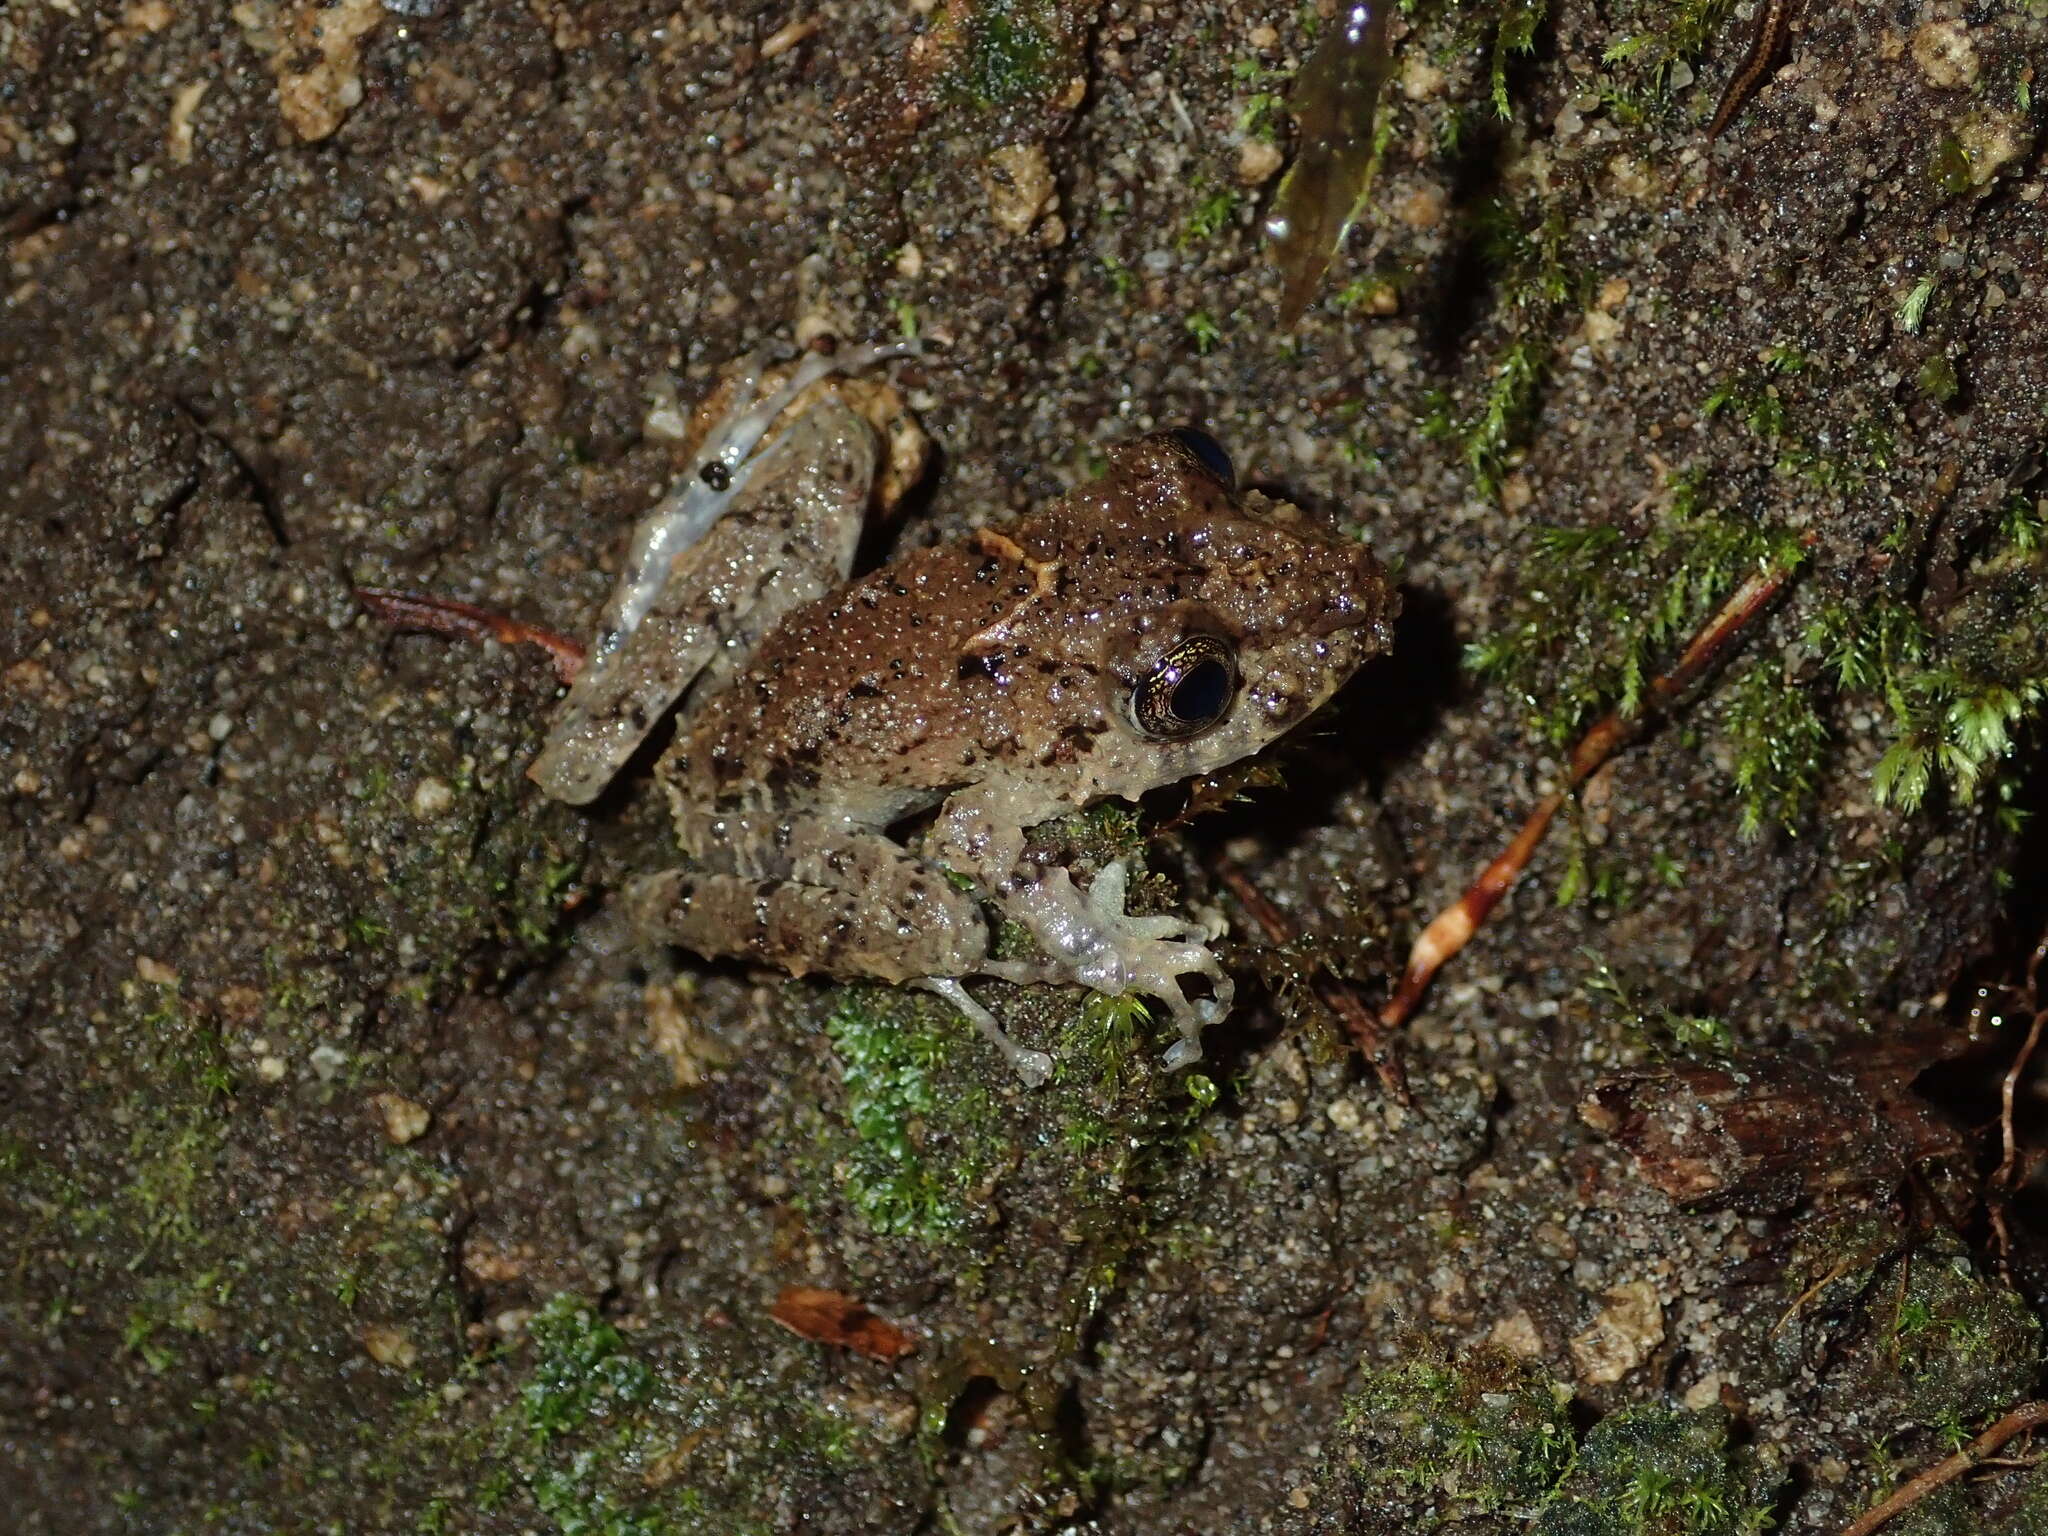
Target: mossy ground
275, 891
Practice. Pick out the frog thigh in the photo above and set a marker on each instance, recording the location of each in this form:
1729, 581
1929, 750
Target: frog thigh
788, 537
843, 900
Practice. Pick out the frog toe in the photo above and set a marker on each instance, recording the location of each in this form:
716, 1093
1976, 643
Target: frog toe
1092, 941
1034, 1067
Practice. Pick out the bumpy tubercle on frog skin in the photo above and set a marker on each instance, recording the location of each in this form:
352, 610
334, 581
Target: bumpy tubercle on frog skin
993, 679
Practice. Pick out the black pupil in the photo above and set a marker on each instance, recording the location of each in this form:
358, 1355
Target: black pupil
1202, 693
1208, 450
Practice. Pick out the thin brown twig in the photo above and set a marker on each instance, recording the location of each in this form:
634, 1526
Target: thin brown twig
1840, 1268
1334, 994
2008, 1166
451, 616
2023, 1418
1451, 929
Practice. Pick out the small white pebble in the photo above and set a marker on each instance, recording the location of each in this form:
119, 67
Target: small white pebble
405, 1120
390, 1346
1946, 55
432, 798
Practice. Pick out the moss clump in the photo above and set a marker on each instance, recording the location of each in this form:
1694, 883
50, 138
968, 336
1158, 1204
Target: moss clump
1657, 1470
580, 1371
1001, 52
1100, 1040
1536, 283
1433, 1440
1932, 1342
680, 1433
1583, 639
1955, 1346
1963, 694
1604, 608
1482, 1442
914, 1153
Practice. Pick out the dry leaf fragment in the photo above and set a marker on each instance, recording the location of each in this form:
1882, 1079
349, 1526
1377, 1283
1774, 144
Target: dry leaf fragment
826, 1317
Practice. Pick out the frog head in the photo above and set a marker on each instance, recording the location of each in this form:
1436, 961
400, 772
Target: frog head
1181, 624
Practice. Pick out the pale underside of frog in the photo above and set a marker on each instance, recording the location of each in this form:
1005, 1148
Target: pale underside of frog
1147, 628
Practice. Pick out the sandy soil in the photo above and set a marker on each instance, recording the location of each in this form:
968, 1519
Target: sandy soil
360, 1172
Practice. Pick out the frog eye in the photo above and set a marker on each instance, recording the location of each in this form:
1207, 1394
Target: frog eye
1209, 451
1190, 690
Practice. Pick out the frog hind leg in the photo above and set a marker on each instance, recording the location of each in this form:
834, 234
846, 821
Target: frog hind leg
833, 898
1035, 1067
783, 531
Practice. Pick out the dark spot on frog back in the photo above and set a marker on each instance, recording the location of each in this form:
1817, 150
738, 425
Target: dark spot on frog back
982, 666
1074, 743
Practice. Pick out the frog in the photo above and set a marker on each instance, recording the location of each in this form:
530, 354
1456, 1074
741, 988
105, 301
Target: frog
1149, 627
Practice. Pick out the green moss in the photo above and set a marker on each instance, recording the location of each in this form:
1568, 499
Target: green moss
681, 1434
1123, 282
1934, 1342
1948, 167
1432, 1439
580, 1370
1913, 307
1658, 1470
1656, 1030
1602, 609
1102, 1036
913, 1154
1203, 330
1514, 35
1959, 697
1959, 1346
1211, 216
1780, 744
1938, 381
1009, 51
1655, 36
1536, 284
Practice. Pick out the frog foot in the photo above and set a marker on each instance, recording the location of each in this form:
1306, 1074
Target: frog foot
1092, 940
1035, 1067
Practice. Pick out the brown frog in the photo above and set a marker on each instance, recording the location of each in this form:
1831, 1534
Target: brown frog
1149, 627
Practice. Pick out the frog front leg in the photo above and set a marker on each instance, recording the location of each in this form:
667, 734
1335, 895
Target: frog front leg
1088, 938
822, 895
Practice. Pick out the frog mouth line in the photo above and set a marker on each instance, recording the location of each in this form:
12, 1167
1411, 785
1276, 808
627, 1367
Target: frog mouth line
1335, 621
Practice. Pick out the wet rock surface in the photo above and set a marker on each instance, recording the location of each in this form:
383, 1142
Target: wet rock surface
359, 1171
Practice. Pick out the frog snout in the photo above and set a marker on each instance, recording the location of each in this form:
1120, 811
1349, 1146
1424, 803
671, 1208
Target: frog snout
1355, 592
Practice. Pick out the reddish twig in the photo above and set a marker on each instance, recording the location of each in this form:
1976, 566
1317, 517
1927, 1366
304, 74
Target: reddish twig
1453, 927
2008, 1167
2027, 1416
466, 621
1334, 994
